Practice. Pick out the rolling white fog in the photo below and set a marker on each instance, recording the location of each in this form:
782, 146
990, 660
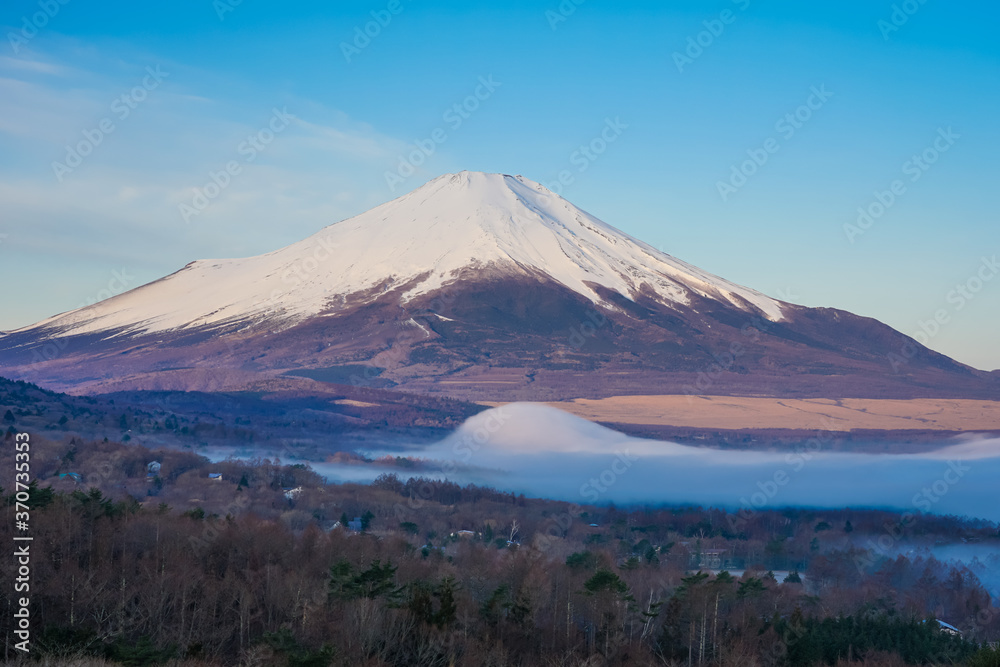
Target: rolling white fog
544, 452
541, 451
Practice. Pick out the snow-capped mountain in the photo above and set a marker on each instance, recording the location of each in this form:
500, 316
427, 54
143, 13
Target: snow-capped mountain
491, 224
481, 286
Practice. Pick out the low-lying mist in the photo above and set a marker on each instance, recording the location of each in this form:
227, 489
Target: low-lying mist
541, 451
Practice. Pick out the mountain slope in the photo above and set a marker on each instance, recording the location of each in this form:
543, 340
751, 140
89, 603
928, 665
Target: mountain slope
492, 223
482, 287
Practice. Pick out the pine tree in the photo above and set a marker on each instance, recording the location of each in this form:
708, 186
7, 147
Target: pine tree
447, 608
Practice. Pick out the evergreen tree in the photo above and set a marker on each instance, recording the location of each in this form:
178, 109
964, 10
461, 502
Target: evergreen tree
447, 607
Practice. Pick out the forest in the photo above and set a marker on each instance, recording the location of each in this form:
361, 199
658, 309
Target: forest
263, 563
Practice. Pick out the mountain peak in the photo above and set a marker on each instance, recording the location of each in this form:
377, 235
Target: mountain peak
478, 188
456, 225
467, 178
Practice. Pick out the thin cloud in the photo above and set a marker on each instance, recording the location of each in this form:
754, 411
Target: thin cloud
119, 206
36, 66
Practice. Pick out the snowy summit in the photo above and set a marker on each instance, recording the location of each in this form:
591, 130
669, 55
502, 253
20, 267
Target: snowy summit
493, 224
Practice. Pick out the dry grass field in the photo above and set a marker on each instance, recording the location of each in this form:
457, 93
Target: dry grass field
734, 412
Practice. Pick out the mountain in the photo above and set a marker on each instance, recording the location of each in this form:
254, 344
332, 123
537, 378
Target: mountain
498, 226
481, 286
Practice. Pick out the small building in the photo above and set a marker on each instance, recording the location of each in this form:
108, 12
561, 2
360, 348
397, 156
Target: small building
215, 475
949, 629
75, 476
292, 492
152, 469
356, 524
464, 534
704, 559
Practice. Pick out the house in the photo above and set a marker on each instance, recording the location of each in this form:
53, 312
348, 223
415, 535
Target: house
949, 629
356, 524
704, 559
292, 493
215, 475
152, 469
711, 558
75, 476
464, 534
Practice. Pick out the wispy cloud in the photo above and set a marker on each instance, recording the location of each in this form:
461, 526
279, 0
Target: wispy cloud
36, 66
147, 149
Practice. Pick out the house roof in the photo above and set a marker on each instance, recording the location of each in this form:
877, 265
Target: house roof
948, 626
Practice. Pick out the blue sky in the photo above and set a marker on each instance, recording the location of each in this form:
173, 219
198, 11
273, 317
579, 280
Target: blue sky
560, 73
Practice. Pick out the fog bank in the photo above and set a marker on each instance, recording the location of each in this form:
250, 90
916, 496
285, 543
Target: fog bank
543, 451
